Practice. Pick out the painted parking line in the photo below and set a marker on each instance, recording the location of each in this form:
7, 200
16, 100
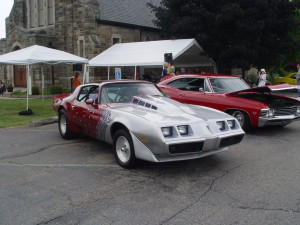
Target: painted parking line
59, 165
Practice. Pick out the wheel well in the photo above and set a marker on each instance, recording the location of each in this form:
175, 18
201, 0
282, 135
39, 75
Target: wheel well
60, 108
230, 111
115, 127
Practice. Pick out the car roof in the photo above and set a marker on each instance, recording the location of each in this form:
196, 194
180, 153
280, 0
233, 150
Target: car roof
205, 75
118, 81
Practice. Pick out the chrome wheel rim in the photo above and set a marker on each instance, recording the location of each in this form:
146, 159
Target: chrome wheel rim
123, 149
63, 124
240, 117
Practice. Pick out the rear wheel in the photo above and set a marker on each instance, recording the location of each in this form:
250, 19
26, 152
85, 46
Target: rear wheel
63, 126
123, 149
242, 118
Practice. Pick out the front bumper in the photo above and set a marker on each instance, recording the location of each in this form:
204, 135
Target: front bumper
188, 149
277, 120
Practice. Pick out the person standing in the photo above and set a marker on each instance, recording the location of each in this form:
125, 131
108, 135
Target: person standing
76, 80
165, 69
262, 77
2, 87
298, 78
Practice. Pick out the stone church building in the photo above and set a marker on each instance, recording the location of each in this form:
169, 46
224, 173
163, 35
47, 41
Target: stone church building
81, 27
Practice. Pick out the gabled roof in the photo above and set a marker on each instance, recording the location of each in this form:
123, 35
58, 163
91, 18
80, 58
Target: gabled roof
151, 53
131, 12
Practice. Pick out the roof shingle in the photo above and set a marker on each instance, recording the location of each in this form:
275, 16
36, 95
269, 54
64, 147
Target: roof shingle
133, 12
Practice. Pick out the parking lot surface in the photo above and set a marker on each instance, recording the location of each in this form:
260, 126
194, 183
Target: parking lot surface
47, 180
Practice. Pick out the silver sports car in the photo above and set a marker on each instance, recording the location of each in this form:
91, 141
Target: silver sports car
142, 123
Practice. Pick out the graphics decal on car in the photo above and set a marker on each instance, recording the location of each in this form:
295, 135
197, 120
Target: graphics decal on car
102, 124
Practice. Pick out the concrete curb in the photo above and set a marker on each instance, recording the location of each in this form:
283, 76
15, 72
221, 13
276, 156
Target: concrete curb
41, 122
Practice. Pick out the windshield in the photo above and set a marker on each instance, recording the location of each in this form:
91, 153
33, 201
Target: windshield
123, 92
224, 85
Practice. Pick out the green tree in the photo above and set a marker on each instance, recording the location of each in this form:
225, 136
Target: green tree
235, 33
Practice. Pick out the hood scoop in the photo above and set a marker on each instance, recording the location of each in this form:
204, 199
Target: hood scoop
145, 101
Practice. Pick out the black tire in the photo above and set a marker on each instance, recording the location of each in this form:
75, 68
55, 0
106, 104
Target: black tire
242, 118
63, 126
124, 149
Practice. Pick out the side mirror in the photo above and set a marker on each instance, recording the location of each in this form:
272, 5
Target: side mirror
90, 101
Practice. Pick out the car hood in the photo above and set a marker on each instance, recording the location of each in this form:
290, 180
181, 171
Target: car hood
165, 110
267, 88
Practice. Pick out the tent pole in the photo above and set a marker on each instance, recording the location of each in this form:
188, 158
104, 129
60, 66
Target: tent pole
43, 81
27, 67
85, 74
108, 70
87, 71
83, 78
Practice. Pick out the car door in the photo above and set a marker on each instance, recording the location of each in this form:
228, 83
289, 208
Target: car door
80, 108
194, 90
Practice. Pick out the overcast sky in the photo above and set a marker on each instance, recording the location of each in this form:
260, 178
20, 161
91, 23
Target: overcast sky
5, 7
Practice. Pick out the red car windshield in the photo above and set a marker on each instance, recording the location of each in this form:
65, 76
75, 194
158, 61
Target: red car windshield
225, 85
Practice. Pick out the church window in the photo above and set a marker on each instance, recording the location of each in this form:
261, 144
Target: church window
81, 51
116, 39
41, 13
50, 12
31, 9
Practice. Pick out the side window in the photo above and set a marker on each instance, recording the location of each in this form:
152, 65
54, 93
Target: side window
181, 83
206, 87
189, 84
88, 92
94, 95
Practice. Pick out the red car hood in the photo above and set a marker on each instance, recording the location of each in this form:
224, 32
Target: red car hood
268, 88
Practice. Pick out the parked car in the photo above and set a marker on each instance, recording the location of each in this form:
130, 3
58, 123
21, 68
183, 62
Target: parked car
287, 79
141, 123
255, 107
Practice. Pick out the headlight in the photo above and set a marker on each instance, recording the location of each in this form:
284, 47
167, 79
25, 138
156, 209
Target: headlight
167, 131
298, 110
183, 129
231, 124
271, 112
267, 113
221, 125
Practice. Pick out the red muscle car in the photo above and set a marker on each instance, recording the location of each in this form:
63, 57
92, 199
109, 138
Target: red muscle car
252, 107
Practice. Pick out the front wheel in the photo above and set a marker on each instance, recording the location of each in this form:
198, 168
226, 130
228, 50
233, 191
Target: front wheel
123, 149
63, 126
243, 119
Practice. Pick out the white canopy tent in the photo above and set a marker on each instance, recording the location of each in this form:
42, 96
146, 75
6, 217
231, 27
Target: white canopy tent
41, 55
185, 52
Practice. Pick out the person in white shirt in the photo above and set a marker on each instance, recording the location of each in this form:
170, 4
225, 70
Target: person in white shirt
262, 77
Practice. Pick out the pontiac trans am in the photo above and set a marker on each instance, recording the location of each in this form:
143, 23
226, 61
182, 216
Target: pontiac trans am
142, 123
252, 107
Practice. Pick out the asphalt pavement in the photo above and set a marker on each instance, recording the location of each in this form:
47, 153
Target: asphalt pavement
47, 180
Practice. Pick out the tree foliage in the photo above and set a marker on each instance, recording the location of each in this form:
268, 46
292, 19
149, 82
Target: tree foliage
235, 33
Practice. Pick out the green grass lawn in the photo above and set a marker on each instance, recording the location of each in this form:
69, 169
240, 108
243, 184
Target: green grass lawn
10, 108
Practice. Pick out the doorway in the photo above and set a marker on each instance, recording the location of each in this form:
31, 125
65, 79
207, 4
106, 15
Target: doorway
19, 73
20, 76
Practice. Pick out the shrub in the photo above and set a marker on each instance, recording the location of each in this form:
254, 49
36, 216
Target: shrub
56, 89
35, 90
